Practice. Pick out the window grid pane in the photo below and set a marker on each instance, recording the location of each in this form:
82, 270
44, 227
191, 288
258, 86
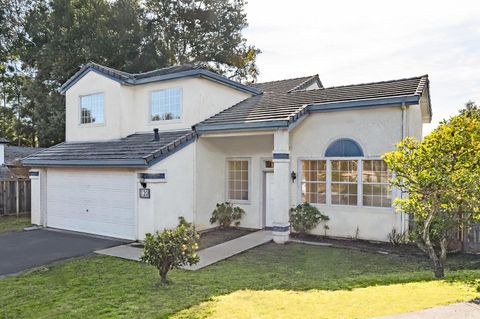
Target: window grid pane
238, 180
165, 105
92, 109
376, 187
344, 188
314, 181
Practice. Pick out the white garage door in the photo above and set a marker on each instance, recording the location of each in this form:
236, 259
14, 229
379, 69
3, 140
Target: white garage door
100, 203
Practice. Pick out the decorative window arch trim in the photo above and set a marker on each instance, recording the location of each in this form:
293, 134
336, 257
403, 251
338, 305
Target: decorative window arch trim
344, 147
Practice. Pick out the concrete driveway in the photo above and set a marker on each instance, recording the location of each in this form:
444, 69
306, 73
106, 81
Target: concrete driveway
20, 251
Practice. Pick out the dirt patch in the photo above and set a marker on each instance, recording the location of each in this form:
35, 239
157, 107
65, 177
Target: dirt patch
406, 250
218, 235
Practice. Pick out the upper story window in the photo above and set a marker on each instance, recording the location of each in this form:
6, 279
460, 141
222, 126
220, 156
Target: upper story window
165, 105
92, 109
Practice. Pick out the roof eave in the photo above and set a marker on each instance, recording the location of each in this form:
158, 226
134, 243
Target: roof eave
135, 163
79, 75
371, 103
235, 127
172, 76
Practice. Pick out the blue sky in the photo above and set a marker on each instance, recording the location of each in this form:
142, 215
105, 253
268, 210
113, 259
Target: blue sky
349, 42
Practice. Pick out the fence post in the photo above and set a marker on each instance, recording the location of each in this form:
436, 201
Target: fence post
17, 196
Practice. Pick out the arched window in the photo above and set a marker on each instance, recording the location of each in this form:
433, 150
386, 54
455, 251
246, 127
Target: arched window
344, 147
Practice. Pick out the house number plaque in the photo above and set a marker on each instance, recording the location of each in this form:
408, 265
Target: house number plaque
144, 192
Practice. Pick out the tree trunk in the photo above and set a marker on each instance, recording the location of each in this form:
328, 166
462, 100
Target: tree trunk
163, 272
163, 277
438, 263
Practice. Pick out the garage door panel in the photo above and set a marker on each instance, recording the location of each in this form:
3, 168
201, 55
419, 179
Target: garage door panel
99, 203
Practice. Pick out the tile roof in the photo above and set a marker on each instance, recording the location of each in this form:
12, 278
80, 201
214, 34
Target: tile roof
274, 106
168, 73
13, 154
136, 150
288, 85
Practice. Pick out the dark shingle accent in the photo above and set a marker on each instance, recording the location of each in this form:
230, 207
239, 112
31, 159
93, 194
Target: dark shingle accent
273, 106
288, 85
139, 149
13, 154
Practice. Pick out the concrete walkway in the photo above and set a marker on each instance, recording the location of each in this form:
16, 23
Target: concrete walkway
207, 256
464, 310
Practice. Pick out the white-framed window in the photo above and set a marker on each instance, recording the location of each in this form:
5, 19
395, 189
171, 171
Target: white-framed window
165, 104
349, 182
314, 181
376, 187
92, 109
238, 179
344, 185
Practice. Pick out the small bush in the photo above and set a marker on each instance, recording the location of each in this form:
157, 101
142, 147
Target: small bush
306, 217
226, 214
397, 238
171, 248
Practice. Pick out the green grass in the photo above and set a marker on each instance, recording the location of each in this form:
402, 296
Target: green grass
105, 287
13, 223
369, 302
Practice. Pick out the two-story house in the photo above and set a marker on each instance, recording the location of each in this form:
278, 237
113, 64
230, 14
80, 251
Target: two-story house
143, 149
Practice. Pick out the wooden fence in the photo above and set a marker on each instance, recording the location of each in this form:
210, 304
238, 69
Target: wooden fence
472, 239
15, 197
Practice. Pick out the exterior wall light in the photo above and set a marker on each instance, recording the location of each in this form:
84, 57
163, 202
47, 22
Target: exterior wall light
294, 177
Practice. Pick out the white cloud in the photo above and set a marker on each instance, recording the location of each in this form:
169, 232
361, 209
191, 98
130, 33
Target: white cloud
362, 41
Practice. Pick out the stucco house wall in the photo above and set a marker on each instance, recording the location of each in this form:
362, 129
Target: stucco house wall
127, 108
376, 130
171, 198
212, 156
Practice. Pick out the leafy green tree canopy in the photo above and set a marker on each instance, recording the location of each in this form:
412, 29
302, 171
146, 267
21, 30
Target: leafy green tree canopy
52, 39
439, 177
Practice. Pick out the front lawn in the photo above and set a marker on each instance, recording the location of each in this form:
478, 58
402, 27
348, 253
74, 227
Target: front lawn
13, 223
106, 287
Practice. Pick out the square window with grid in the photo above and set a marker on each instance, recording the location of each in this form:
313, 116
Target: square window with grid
165, 105
238, 179
314, 182
92, 109
344, 182
376, 187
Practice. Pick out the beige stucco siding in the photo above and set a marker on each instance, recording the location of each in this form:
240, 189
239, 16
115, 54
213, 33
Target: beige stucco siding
127, 108
93, 83
171, 198
212, 156
376, 130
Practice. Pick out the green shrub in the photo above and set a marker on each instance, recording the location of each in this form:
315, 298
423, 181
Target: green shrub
171, 248
306, 217
226, 214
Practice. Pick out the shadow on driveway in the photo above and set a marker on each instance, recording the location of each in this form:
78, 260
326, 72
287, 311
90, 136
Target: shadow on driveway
20, 251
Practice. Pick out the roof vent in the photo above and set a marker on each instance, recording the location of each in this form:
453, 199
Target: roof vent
156, 136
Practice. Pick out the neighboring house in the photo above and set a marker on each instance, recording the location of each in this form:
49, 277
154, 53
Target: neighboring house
14, 181
11, 167
264, 147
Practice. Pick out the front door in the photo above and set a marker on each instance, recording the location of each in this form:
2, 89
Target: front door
269, 198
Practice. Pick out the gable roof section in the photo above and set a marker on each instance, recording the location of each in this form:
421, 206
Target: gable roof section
288, 85
14, 154
165, 74
276, 110
138, 150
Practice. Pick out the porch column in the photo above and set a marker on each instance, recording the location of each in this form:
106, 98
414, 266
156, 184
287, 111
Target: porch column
281, 188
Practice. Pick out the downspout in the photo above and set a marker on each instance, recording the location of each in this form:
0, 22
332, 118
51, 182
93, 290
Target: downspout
404, 133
